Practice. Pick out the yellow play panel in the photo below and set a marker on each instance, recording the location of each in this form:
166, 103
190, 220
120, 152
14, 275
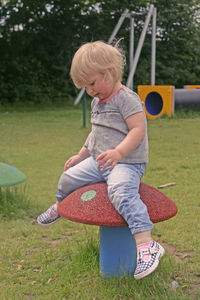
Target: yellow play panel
158, 100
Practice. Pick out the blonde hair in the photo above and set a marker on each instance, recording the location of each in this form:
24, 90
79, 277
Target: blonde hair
98, 57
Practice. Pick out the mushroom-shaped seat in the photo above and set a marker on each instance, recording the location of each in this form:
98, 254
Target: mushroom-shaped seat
90, 205
10, 175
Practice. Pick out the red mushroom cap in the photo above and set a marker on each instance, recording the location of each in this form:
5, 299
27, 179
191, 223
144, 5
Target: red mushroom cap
90, 205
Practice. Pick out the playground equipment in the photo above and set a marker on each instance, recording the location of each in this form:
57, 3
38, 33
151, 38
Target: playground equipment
90, 205
188, 97
192, 87
10, 175
159, 100
134, 59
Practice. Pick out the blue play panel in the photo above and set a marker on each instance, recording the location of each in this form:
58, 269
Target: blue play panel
10, 175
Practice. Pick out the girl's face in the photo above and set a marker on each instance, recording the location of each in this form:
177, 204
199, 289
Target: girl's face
100, 85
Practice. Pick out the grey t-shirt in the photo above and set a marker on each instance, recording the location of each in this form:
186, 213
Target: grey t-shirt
109, 127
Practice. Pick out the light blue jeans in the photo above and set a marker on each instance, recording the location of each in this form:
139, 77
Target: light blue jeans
123, 185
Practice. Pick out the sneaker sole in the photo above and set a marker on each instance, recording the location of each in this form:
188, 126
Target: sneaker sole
48, 224
155, 265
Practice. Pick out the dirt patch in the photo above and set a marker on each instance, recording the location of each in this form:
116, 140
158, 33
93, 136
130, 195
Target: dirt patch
61, 238
29, 296
179, 256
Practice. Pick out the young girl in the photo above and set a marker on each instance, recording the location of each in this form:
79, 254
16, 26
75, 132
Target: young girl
116, 150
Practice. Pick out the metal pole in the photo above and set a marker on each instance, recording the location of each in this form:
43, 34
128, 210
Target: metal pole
153, 48
139, 47
80, 95
117, 27
131, 45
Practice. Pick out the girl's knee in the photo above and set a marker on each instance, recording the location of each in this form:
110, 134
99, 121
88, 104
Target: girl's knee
64, 186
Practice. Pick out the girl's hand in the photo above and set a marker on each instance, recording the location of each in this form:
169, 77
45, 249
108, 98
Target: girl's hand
72, 161
109, 157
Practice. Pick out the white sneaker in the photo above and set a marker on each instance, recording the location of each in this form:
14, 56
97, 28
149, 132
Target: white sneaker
49, 217
144, 268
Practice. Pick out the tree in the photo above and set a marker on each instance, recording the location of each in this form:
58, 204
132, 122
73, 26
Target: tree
38, 40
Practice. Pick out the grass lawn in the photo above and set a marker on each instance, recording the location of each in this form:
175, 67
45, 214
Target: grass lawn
61, 261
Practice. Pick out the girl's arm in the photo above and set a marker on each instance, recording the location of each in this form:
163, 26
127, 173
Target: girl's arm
74, 160
136, 126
